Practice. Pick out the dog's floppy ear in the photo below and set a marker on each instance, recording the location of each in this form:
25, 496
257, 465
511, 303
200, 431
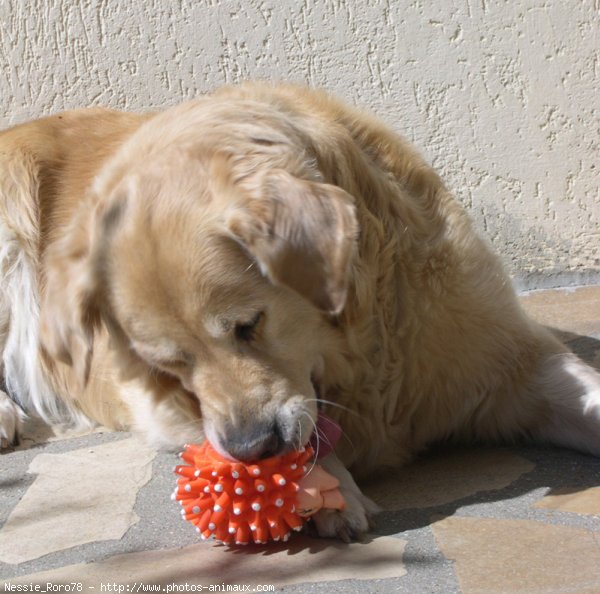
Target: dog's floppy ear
301, 233
70, 311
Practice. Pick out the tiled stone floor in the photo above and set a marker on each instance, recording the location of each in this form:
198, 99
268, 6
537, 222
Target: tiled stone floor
87, 513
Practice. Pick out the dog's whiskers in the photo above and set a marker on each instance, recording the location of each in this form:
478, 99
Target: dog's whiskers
299, 444
331, 403
318, 440
345, 436
345, 408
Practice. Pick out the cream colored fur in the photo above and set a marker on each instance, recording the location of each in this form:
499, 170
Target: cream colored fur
150, 242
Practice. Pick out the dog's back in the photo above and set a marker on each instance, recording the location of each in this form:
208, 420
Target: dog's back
46, 168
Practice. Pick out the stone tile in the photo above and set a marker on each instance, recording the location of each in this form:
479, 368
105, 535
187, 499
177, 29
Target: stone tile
578, 501
80, 496
300, 560
520, 556
446, 476
574, 310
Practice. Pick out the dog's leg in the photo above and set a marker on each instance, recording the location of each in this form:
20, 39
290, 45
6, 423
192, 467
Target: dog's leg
11, 419
353, 521
11, 415
571, 390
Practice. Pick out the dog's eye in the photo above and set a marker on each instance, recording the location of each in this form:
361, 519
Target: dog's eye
245, 332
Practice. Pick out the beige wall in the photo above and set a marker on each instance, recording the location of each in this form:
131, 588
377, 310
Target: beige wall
500, 95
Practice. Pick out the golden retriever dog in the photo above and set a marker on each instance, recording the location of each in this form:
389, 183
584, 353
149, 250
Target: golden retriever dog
233, 265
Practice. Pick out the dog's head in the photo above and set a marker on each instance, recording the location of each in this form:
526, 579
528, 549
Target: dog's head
218, 269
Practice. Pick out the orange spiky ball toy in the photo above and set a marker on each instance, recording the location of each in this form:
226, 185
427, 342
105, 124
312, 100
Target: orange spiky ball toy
239, 503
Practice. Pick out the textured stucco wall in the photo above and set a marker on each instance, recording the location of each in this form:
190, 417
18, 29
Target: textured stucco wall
501, 96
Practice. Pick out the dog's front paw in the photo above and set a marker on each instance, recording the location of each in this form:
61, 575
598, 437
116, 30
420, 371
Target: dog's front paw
11, 419
349, 524
355, 520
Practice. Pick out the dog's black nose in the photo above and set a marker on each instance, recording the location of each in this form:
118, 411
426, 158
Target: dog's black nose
254, 443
